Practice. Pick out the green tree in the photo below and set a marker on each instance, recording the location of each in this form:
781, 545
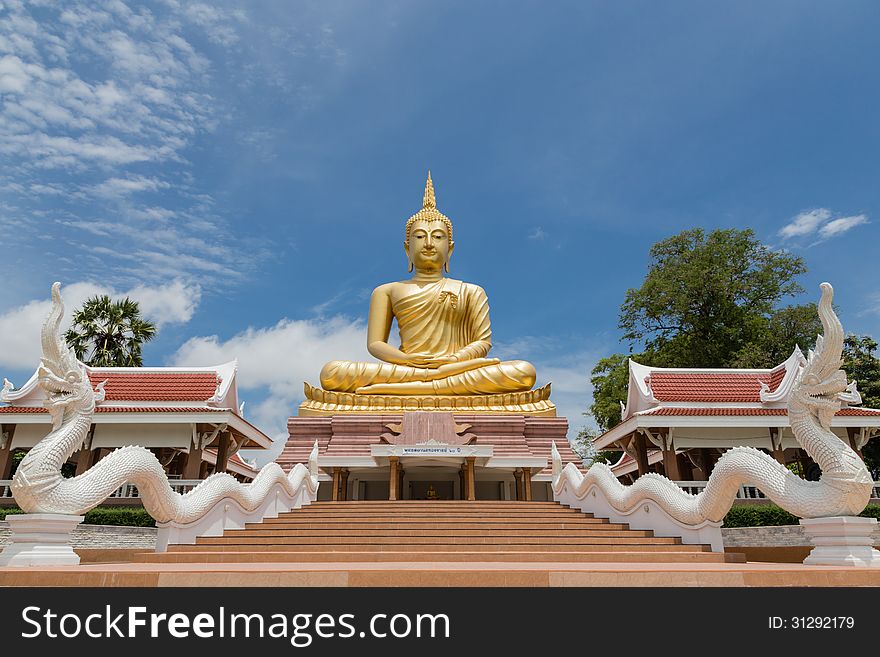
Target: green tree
785, 328
861, 365
583, 447
708, 300
107, 333
610, 378
583, 444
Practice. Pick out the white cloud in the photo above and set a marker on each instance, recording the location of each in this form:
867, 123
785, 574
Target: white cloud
841, 225
279, 358
120, 187
218, 24
571, 391
819, 222
805, 223
174, 303
20, 327
94, 91
537, 234
872, 306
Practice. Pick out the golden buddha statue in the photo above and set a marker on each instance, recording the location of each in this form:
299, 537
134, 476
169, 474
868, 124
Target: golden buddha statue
445, 337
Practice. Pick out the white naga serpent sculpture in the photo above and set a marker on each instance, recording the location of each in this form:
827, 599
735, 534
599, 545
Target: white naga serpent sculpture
38, 486
843, 489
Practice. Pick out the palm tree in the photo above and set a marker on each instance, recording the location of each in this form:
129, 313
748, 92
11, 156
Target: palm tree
110, 332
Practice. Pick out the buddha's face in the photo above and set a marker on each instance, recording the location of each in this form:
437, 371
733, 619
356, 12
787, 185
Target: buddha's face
428, 247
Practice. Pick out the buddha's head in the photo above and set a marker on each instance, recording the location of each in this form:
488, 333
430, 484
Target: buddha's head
428, 243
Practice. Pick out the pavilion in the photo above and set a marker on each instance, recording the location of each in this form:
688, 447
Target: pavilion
678, 421
189, 417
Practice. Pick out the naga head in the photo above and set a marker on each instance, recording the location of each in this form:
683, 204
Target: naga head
313, 462
822, 384
556, 461
61, 375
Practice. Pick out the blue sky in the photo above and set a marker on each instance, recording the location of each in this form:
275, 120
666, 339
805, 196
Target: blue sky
245, 170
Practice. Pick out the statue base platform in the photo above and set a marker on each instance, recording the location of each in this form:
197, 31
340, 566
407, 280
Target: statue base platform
347, 440
842, 541
40, 539
321, 402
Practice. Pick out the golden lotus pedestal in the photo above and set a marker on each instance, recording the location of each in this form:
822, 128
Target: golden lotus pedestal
534, 403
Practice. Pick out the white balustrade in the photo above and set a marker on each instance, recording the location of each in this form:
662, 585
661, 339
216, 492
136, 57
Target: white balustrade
124, 492
749, 492
130, 491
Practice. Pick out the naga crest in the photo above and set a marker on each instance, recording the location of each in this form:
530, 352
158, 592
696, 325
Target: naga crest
822, 385
60, 374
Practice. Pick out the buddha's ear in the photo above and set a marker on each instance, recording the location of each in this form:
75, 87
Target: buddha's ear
406, 249
449, 255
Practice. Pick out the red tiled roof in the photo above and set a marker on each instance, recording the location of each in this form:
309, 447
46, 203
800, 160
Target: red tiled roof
849, 412
776, 377
156, 386
121, 409
713, 386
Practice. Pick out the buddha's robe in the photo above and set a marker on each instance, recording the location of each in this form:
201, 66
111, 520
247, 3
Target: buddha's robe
442, 319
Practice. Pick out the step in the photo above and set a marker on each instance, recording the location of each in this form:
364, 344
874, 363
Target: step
431, 503
230, 539
272, 534
427, 525
448, 513
470, 507
414, 510
439, 548
456, 531
296, 516
479, 557
417, 517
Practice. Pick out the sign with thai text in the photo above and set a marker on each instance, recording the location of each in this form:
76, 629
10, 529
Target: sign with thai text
431, 450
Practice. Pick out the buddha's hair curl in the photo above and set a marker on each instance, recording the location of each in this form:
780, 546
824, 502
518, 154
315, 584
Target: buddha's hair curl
428, 215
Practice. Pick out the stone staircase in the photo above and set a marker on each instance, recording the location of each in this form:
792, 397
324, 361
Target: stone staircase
437, 531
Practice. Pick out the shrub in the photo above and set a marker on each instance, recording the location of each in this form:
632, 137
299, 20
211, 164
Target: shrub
106, 515
768, 515
125, 516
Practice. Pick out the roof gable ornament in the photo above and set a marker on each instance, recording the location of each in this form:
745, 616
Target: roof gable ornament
100, 392
793, 366
8, 386
851, 397
216, 396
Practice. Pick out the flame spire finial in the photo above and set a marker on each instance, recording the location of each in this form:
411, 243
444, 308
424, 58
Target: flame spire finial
429, 201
